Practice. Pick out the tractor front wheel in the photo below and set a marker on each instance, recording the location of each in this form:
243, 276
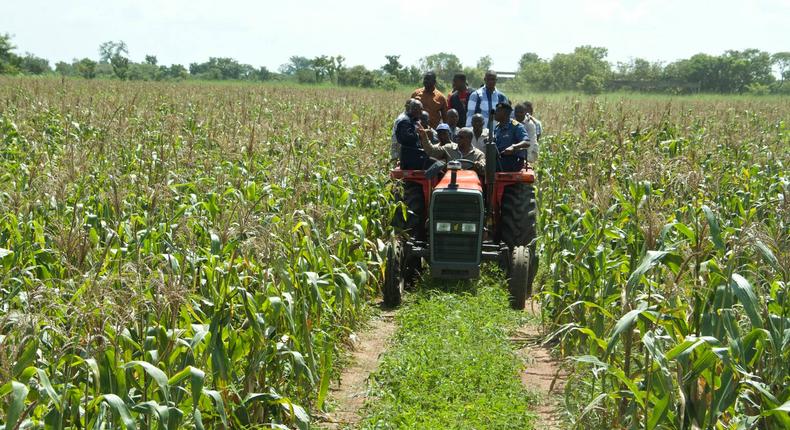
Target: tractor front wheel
393, 278
518, 282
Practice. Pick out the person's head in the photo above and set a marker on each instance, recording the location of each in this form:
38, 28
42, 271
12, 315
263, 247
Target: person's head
452, 117
459, 81
490, 79
425, 119
520, 112
413, 108
502, 112
443, 133
464, 138
477, 123
530, 109
429, 81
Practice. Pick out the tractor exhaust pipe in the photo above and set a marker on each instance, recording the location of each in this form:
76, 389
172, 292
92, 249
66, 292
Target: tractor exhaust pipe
492, 155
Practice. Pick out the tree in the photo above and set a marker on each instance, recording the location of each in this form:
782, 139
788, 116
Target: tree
733, 72
741, 69
222, 68
567, 71
322, 67
263, 74
295, 64
782, 61
107, 50
335, 66
65, 69
120, 66
443, 64
528, 59
34, 65
591, 84
151, 59
175, 71
86, 68
484, 63
9, 62
359, 76
393, 65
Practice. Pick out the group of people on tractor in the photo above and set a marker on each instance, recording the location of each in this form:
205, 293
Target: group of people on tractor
433, 127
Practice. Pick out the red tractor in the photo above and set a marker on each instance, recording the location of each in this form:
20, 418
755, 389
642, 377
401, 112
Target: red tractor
458, 221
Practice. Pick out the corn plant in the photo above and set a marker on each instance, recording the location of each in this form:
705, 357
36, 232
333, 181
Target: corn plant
180, 256
667, 267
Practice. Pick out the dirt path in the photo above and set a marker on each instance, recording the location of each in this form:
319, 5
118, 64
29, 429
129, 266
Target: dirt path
543, 374
350, 394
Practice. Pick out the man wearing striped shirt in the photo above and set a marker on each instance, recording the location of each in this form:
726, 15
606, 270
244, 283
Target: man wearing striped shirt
485, 99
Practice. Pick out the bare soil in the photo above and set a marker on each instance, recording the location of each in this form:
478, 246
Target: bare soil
543, 374
351, 391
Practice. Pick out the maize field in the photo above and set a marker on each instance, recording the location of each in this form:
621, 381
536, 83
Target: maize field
193, 255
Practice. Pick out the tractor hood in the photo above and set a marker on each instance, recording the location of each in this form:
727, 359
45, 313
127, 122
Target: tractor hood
466, 180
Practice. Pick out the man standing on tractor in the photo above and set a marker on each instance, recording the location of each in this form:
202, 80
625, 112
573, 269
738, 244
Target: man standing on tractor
412, 157
485, 99
459, 98
455, 151
510, 137
432, 99
520, 114
538, 125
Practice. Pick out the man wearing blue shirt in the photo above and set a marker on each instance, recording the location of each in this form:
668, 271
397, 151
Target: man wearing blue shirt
510, 137
485, 99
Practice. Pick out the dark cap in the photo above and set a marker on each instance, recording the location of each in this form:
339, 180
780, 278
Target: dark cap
504, 105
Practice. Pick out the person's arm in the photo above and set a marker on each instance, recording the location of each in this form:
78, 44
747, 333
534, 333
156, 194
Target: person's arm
480, 167
470, 108
529, 126
443, 109
523, 143
394, 150
432, 150
405, 134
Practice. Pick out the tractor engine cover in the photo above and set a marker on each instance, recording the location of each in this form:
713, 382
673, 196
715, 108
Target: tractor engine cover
456, 226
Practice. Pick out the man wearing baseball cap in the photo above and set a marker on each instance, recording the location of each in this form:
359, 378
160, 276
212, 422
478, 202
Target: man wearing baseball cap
444, 134
510, 137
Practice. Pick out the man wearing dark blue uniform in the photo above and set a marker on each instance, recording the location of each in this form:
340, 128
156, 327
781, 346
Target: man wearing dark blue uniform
510, 137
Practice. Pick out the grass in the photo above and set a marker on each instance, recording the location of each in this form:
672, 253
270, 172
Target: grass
451, 365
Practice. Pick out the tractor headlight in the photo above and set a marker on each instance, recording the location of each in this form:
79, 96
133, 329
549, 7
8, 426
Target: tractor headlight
443, 227
469, 227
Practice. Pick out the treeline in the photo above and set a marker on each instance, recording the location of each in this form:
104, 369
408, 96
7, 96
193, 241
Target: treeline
585, 69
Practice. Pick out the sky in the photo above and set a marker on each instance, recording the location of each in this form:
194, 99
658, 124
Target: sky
267, 33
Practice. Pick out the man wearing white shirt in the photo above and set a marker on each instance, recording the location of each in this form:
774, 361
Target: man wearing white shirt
520, 114
484, 100
479, 133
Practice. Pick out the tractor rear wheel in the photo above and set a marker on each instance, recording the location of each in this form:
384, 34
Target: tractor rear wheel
518, 222
518, 278
410, 193
393, 278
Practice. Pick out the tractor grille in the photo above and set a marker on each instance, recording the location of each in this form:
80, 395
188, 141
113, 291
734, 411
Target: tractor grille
456, 208
456, 247
452, 248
